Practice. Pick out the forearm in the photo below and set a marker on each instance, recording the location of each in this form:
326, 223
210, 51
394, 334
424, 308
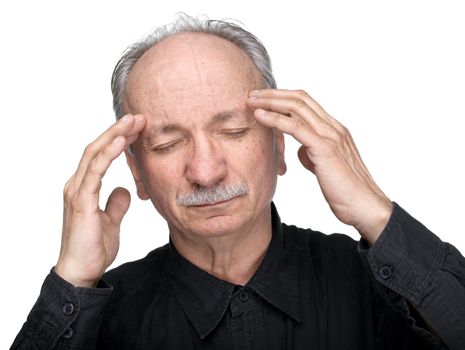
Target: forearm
411, 262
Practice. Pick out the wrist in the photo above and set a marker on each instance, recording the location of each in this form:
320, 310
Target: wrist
375, 221
71, 278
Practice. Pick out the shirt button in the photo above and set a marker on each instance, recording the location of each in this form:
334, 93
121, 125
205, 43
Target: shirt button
244, 296
68, 309
385, 272
68, 333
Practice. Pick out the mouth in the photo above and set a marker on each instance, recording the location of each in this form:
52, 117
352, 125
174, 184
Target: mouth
208, 205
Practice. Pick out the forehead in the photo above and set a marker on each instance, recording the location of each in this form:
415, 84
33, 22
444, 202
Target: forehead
190, 72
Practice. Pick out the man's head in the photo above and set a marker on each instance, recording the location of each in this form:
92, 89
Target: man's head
205, 162
233, 33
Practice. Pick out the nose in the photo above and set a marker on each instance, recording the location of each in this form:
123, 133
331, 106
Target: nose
206, 163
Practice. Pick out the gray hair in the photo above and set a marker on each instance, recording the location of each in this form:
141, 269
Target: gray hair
245, 40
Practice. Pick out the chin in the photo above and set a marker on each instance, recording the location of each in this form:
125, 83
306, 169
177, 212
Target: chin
217, 226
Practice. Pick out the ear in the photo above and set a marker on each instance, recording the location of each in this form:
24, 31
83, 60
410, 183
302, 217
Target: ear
279, 141
134, 166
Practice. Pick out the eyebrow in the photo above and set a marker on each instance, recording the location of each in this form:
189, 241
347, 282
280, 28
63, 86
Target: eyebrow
225, 116
218, 118
157, 130
236, 114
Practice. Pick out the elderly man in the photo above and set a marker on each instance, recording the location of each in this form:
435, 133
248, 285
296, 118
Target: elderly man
201, 123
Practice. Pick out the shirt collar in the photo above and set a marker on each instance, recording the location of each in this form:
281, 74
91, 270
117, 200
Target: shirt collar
205, 298
277, 278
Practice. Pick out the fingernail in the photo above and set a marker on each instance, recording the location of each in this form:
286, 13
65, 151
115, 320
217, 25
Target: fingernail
259, 112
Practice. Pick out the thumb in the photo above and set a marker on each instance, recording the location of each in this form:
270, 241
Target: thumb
118, 204
303, 157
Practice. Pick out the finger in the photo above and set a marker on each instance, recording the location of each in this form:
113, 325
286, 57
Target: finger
303, 157
127, 126
92, 180
118, 205
298, 94
283, 93
130, 140
70, 187
297, 109
289, 125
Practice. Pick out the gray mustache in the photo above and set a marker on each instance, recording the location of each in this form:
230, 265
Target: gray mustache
212, 195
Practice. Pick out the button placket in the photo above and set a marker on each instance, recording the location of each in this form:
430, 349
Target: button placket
68, 310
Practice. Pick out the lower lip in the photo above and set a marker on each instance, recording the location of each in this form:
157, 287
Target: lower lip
212, 205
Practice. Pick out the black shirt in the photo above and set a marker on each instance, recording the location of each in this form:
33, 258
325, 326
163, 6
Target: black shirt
311, 291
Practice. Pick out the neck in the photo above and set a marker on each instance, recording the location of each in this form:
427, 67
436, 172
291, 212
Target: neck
234, 257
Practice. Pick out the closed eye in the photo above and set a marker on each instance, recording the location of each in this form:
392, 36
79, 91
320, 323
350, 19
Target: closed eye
235, 133
167, 147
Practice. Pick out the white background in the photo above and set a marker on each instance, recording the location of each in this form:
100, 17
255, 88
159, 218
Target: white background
392, 72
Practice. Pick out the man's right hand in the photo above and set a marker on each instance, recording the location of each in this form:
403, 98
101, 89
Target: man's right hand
90, 237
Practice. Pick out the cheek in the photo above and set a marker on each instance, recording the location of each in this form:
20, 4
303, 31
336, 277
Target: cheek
264, 147
256, 157
161, 178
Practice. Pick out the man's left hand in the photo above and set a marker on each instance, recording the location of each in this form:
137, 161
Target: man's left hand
329, 152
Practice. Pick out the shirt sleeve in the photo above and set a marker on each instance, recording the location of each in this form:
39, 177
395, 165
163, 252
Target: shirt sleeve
412, 264
64, 316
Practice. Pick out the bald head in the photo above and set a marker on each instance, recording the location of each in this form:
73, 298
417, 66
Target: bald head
197, 68
189, 28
